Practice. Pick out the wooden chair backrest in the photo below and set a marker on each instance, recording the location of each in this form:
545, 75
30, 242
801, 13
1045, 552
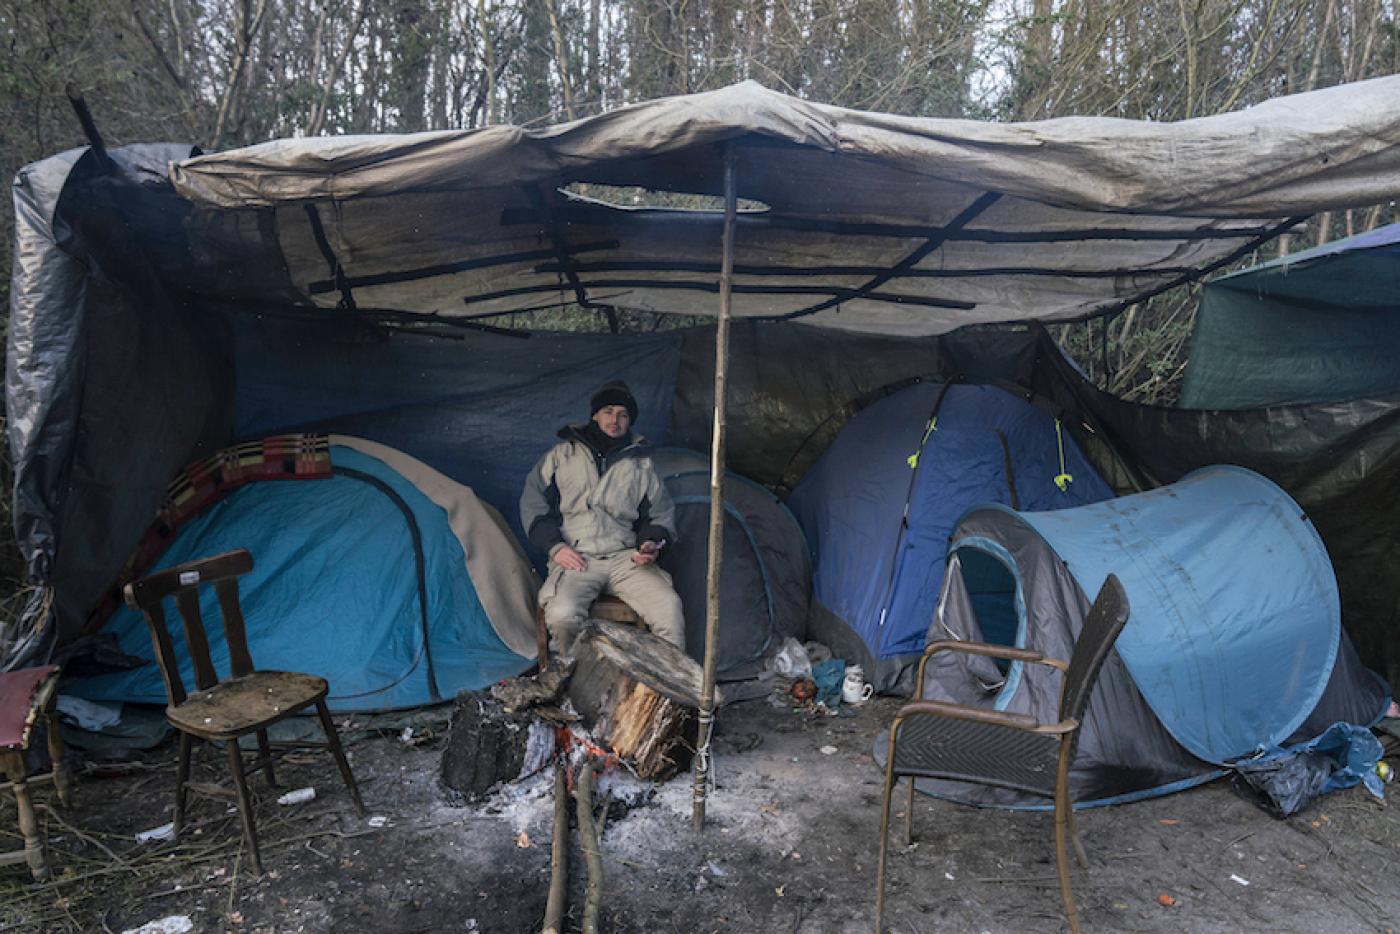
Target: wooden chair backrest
183, 582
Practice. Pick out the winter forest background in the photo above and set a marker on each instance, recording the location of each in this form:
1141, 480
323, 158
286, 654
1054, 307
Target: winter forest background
225, 73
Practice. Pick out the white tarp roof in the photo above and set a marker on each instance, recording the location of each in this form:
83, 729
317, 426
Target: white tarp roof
874, 222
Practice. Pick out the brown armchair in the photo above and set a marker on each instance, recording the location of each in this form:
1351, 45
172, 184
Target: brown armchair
933, 739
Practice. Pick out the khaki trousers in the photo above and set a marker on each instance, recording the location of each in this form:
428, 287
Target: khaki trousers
567, 595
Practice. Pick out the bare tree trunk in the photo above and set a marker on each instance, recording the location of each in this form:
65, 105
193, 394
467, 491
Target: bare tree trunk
317, 124
595, 66
561, 58
1313, 71
441, 54
247, 24
488, 52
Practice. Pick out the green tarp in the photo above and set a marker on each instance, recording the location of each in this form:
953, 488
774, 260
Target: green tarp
1320, 326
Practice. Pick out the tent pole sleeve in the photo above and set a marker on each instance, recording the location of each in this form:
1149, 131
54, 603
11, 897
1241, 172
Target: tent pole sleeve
712, 579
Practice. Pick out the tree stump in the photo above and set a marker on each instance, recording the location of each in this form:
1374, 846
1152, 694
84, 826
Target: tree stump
485, 747
638, 695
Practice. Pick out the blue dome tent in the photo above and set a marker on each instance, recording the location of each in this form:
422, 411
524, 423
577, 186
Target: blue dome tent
879, 505
1233, 645
394, 583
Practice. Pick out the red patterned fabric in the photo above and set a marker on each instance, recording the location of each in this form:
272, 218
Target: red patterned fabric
17, 713
204, 483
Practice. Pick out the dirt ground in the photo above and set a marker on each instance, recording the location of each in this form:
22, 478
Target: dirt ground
790, 846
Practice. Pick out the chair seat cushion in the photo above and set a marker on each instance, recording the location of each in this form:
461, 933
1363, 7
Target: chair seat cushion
241, 705
986, 753
17, 709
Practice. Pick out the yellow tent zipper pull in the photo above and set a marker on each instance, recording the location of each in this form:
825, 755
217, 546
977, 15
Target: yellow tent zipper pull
913, 459
1063, 479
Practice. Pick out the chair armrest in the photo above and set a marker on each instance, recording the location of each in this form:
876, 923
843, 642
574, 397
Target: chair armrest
994, 651
928, 708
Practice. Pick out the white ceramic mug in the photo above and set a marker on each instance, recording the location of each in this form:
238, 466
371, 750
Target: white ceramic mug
854, 690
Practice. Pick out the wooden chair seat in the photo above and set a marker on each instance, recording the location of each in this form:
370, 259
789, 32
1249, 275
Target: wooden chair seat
263, 697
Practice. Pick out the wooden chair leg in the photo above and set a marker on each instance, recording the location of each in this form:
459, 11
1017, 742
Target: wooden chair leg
265, 751
885, 831
182, 778
1063, 816
245, 804
1079, 854
61, 779
28, 823
333, 741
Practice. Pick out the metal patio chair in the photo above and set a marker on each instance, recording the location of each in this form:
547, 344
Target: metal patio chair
223, 709
933, 739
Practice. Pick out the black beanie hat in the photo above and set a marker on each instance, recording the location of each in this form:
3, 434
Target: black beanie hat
614, 392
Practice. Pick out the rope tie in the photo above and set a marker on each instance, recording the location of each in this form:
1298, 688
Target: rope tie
1063, 478
706, 721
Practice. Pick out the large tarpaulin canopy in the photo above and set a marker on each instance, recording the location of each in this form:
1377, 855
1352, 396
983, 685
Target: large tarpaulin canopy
863, 221
153, 287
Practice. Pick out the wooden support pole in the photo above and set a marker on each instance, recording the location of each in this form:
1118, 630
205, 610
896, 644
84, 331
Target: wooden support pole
558, 856
707, 690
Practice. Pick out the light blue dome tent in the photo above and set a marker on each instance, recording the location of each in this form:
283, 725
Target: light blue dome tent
879, 505
1233, 645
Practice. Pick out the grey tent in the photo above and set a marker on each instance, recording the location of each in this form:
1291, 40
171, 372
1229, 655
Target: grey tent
151, 287
766, 578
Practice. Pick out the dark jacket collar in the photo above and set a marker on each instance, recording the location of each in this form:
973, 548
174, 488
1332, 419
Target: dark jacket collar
634, 445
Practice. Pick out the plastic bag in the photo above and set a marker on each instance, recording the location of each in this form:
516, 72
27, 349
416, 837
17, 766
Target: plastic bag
1287, 780
791, 660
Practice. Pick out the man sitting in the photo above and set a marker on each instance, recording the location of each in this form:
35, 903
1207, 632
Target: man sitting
595, 504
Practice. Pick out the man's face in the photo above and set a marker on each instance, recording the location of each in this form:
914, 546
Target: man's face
613, 420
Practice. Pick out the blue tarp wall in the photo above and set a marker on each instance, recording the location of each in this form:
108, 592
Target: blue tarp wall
418, 393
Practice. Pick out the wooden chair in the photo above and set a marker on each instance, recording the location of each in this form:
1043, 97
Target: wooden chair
248, 701
933, 739
25, 696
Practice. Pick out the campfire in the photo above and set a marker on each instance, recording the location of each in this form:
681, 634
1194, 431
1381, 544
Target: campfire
612, 722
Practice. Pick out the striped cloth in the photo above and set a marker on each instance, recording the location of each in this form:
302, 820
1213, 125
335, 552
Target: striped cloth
204, 483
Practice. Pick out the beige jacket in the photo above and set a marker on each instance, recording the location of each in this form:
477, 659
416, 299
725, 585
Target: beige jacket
597, 505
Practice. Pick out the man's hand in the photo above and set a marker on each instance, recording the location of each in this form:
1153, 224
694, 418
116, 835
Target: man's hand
646, 553
569, 560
